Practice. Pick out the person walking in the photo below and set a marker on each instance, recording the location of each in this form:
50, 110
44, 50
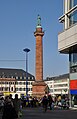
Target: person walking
45, 103
9, 110
17, 105
1, 104
50, 101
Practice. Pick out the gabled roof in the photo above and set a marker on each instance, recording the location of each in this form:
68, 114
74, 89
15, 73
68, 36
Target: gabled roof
8, 72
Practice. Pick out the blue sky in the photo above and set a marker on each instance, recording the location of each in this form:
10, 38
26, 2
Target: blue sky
17, 25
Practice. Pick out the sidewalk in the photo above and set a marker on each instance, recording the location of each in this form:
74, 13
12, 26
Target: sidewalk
73, 108
38, 113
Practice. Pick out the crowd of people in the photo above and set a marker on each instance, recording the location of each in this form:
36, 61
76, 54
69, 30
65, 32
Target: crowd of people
12, 108
47, 101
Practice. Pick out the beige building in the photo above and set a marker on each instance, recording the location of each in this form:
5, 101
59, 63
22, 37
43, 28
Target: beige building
14, 81
7, 85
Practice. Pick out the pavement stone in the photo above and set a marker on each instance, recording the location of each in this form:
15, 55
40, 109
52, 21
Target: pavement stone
38, 113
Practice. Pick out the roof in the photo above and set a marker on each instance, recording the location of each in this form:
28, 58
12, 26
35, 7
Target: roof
7, 73
63, 76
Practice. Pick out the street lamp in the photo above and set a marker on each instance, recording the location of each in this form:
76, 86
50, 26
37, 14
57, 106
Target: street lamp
26, 50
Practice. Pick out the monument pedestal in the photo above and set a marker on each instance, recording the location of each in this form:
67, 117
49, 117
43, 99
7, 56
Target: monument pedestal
39, 89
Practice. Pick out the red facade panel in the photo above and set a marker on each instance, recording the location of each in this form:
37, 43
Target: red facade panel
73, 84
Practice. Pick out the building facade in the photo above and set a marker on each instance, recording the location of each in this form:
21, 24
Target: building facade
7, 85
58, 85
67, 44
14, 81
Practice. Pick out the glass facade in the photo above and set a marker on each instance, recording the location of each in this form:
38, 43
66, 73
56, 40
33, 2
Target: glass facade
73, 15
73, 62
73, 3
70, 20
73, 70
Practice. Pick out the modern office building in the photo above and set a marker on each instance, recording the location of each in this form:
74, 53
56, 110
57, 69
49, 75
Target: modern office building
14, 81
67, 44
58, 85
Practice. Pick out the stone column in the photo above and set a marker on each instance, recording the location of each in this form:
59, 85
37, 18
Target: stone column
39, 86
39, 54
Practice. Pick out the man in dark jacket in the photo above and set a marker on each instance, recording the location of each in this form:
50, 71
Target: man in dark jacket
9, 110
45, 103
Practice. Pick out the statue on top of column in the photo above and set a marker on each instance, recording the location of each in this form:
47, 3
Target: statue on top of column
38, 21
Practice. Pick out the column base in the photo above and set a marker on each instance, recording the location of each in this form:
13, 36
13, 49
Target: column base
39, 89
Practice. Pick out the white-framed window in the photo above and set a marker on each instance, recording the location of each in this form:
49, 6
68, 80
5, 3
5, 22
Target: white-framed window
16, 77
20, 77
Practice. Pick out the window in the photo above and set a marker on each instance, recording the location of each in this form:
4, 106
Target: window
23, 83
73, 16
28, 89
13, 82
31, 83
21, 77
16, 89
16, 83
28, 77
11, 88
32, 77
20, 83
51, 86
57, 81
24, 89
16, 77
73, 62
73, 3
3, 82
73, 59
24, 77
57, 90
2, 88
11, 76
73, 69
20, 89
5, 88
28, 83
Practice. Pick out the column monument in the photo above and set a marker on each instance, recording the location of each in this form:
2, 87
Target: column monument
39, 86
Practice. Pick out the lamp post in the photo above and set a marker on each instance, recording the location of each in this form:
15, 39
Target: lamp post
26, 50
